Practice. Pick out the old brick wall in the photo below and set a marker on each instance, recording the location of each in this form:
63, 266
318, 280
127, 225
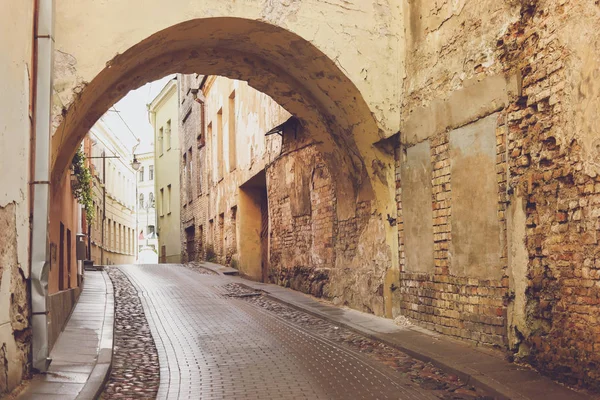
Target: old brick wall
194, 209
529, 65
465, 304
312, 249
553, 157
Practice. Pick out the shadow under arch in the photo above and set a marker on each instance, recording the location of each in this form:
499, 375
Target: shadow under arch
271, 59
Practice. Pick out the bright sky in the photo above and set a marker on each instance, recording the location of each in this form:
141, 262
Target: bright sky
134, 113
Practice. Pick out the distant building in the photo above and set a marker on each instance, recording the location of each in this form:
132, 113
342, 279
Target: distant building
146, 205
224, 156
164, 114
113, 236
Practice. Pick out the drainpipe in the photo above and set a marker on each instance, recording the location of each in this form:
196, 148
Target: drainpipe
40, 258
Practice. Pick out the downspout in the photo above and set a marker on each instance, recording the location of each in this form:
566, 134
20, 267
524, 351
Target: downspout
40, 258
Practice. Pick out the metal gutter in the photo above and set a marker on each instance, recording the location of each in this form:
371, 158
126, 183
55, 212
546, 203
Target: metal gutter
40, 257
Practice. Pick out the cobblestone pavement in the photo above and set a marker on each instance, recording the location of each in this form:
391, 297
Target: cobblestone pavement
195, 266
220, 341
425, 375
135, 368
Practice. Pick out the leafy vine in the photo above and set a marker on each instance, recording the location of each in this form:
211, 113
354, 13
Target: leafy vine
82, 187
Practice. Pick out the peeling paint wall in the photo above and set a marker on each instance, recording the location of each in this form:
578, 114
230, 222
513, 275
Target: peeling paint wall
16, 27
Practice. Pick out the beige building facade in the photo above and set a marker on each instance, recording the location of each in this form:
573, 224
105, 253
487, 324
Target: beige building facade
224, 155
163, 112
113, 236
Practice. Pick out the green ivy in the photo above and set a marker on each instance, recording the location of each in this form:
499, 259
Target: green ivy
82, 188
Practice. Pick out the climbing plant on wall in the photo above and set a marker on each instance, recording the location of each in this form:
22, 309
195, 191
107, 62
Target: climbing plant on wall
82, 186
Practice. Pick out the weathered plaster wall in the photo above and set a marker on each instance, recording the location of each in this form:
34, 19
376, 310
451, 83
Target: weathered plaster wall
16, 27
416, 175
535, 62
475, 248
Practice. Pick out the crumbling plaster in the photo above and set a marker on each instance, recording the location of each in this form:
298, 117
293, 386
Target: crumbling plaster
16, 22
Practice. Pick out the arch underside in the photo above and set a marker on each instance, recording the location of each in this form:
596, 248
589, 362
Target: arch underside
272, 60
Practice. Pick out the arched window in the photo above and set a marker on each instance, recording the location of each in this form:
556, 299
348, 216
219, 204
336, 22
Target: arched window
141, 200
151, 199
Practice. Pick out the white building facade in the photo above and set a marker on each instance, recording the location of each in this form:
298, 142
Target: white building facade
146, 209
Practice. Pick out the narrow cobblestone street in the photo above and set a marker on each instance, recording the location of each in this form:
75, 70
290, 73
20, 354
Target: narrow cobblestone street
219, 340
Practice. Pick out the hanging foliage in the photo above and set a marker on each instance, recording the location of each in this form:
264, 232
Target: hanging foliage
82, 187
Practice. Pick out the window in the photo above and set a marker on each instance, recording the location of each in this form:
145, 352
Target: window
220, 145
150, 229
232, 138
168, 199
233, 239
151, 199
61, 258
212, 149
159, 142
168, 134
151, 173
141, 174
185, 178
199, 173
161, 202
188, 182
222, 233
201, 138
141, 204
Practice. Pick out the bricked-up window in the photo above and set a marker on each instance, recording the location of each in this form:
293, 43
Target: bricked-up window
161, 202
151, 173
220, 142
232, 133
190, 174
160, 141
168, 135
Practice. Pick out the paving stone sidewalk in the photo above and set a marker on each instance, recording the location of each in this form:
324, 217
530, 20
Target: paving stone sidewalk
83, 352
477, 366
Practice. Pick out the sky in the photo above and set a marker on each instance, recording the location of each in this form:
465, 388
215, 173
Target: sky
130, 115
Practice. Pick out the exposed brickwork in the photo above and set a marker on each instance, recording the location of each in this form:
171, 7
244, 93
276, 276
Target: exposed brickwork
302, 240
468, 308
562, 200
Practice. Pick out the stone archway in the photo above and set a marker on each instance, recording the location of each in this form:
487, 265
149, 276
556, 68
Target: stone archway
297, 75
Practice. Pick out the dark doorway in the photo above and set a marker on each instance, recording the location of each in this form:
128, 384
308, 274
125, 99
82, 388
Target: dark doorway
254, 228
163, 254
190, 242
